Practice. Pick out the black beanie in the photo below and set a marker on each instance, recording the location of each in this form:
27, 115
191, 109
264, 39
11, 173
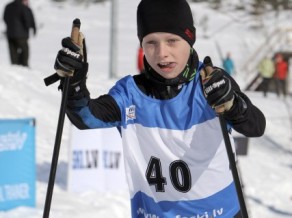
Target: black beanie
171, 16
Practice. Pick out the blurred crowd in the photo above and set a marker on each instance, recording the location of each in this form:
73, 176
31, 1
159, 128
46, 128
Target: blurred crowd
274, 71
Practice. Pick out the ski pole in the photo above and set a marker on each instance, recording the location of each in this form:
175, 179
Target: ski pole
209, 68
233, 167
50, 188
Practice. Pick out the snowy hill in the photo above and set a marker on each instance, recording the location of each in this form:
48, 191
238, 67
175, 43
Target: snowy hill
267, 169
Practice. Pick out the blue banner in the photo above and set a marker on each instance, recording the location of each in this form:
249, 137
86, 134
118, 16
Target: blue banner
17, 163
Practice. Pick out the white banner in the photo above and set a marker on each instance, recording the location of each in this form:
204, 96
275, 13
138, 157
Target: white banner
96, 161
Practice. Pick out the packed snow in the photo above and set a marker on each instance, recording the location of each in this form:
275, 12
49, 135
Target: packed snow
266, 171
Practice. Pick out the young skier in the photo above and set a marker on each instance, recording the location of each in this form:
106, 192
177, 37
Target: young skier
175, 158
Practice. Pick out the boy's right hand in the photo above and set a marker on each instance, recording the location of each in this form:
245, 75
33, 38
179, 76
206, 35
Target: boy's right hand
69, 59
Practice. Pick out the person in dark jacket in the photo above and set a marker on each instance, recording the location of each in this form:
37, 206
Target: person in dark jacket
175, 157
19, 19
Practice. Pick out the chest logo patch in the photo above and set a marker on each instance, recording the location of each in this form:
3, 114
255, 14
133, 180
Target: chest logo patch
131, 113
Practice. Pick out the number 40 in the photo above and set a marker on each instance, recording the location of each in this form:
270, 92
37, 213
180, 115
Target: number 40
179, 172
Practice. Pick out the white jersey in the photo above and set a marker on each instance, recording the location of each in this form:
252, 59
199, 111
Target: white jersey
175, 157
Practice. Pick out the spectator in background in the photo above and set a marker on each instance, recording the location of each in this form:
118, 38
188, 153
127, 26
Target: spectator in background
266, 69
19, 19
281, 73
228, 64
140, 61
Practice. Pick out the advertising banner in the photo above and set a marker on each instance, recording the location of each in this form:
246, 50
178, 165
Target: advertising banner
17, 163
96, 161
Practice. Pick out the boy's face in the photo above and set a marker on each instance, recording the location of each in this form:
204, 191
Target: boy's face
25, 2
166, 53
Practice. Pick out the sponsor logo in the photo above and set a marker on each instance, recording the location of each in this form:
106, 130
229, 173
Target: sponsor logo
12, 141
214, 213
142, 212
71, 53
131, 113
189, 33
214, 86
14, 192
89, 159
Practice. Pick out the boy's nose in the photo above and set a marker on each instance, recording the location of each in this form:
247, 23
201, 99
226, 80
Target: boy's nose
162, 50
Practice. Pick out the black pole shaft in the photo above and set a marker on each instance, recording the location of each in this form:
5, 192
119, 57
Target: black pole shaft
233, 167
56, 151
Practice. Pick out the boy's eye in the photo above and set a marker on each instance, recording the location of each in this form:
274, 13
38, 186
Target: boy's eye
151, 42
171, 41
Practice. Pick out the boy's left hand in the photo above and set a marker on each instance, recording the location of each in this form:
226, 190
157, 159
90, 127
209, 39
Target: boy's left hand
218, 91
69, 58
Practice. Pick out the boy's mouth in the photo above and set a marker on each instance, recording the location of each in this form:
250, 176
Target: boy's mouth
166, 65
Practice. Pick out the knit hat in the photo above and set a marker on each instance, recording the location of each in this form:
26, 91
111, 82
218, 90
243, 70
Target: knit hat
171, 16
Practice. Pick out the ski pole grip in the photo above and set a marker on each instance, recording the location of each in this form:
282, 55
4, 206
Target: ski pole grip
75, 38
208, 66
75, 30
208, 69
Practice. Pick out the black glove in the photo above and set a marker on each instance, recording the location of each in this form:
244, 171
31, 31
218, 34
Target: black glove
70, 63
218, 90
79, 76
69, 59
